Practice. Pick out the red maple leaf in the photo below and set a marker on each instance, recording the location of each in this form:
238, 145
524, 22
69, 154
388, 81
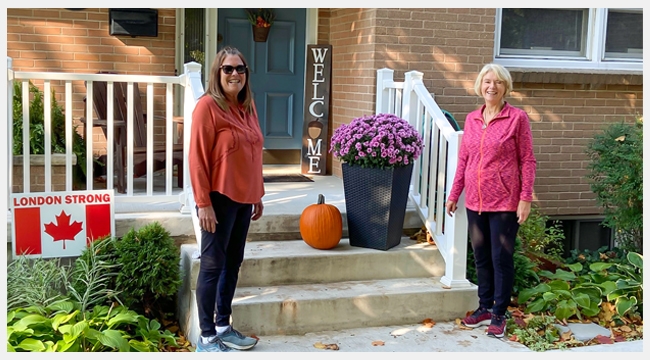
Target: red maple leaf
63, 230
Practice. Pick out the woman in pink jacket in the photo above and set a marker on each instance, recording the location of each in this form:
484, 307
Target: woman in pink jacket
496, 168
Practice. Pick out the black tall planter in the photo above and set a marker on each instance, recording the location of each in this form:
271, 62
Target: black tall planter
375, 203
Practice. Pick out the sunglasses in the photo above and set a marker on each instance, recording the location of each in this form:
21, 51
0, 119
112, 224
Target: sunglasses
227, 69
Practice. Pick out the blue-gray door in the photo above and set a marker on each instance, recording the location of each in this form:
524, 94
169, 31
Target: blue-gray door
277, 71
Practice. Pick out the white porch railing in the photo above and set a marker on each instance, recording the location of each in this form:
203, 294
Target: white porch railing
190, 81
434, 171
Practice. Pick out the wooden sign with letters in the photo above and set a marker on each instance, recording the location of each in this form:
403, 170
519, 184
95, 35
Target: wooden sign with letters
318, 81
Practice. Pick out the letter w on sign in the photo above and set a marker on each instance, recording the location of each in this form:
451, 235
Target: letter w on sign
60, 228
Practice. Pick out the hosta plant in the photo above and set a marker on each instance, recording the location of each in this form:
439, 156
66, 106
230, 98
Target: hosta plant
566, 294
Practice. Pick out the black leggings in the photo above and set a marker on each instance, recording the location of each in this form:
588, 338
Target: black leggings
493, 240
222, 253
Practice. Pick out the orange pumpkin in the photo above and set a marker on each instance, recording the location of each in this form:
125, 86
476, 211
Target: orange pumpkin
321, 225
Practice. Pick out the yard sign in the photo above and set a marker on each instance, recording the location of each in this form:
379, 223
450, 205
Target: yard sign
60, 224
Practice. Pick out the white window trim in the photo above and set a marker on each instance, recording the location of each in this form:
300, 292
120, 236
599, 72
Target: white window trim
595, 50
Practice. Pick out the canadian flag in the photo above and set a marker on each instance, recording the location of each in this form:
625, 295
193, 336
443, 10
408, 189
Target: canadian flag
60, 224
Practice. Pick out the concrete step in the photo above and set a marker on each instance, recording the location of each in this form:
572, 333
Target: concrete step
289, 288
294, 262
300, 309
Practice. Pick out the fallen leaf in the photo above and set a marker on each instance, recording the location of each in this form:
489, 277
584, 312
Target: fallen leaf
625, 328
378, 343
520, 322
620, 138
428, 323
320, 345
567, 335
604, 339
458, 321
516, 313
254, 336
619, 338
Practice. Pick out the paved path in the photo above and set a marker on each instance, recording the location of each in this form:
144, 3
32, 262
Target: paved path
442, 337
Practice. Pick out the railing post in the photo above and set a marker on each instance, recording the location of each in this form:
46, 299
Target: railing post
410, 99
193, 91
10, 130
383, 94
455, 227
409, 113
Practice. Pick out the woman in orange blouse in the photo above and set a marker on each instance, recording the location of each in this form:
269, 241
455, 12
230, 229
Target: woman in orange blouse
225, 161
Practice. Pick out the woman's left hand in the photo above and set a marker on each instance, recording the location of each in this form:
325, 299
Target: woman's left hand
523, 210
257, 210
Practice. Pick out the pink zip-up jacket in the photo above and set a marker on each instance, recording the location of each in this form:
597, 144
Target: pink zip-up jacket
496, 165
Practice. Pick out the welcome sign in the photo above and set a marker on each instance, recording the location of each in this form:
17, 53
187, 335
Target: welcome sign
60, 224
317, 103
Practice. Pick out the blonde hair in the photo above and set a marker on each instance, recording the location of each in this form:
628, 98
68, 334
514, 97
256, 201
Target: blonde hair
502, 74
214, 89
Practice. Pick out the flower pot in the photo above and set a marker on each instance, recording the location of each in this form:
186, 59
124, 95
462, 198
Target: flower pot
375, 203
260, 34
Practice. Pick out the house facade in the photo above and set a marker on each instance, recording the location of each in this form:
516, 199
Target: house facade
574, 70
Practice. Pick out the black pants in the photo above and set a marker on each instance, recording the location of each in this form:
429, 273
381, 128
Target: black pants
493, 240
222, 253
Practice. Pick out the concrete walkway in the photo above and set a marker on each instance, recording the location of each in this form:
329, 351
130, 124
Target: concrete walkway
442, 337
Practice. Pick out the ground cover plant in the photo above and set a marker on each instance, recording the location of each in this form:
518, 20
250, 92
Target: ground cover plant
77, 307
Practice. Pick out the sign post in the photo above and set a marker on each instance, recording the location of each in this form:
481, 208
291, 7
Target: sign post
317, 102
60, 224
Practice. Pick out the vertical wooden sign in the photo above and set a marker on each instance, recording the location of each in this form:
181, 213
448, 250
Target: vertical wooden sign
318, 80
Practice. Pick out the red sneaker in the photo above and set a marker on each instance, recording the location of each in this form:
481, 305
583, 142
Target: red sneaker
479, 317
497, 326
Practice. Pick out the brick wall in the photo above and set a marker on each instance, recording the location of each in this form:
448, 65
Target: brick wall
61, 40
450, 46
564, 117
352, 36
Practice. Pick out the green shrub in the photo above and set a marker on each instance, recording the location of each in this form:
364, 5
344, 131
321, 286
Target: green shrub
536, 237
150, 269
616, 177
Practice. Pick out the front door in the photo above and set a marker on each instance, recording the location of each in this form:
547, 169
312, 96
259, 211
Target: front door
277, 71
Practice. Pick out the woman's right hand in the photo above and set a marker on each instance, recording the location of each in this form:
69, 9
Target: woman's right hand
207, 219
451, 207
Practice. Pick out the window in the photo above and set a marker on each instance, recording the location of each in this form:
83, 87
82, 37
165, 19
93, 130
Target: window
584, 234
605, 39
624, 35
543, 32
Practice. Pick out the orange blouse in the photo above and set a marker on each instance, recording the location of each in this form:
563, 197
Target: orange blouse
225, 153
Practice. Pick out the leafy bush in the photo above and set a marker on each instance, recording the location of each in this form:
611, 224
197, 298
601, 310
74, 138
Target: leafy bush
525, 269
63, 327
616, 177
37, 129
150, 269
538, 238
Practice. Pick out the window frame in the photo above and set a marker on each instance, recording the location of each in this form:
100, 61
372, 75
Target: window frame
594, 58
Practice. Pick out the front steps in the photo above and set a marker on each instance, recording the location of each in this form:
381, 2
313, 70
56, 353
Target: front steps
288, 288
